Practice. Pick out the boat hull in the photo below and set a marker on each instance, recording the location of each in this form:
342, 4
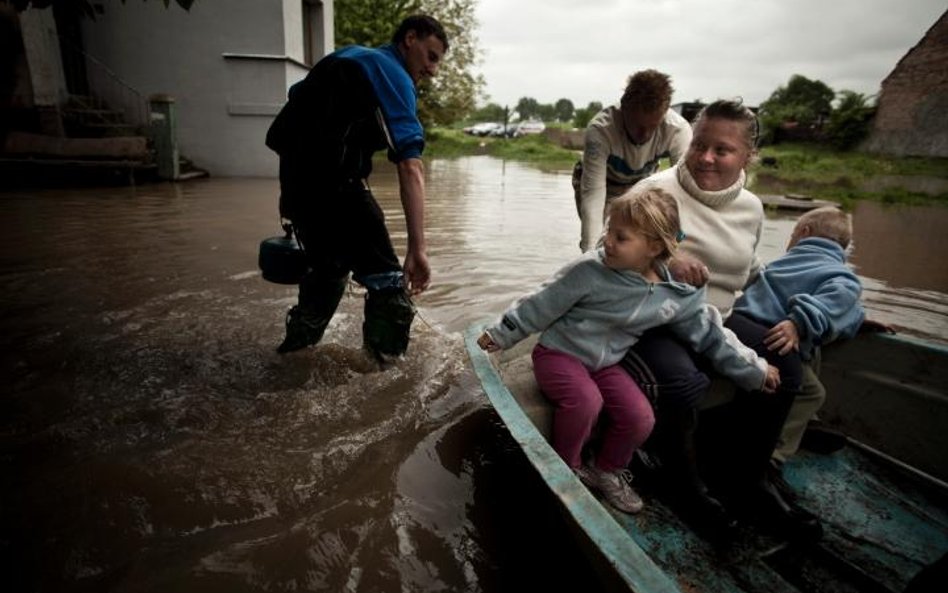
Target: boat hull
890, 392
883, 525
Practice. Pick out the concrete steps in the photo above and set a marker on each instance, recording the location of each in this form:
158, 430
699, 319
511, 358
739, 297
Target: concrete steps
98, 146
88, 117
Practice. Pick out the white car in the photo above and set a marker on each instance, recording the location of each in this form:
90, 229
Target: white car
530, 127
484, 129
508, 131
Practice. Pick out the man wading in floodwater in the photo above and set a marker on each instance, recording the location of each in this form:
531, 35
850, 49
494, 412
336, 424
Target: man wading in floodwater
353, 103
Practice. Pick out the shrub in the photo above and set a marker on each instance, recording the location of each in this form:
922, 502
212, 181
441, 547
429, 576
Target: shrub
850, 120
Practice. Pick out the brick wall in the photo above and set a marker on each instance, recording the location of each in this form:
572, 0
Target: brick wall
912, 115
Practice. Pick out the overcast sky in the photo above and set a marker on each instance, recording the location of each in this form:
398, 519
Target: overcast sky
584, 50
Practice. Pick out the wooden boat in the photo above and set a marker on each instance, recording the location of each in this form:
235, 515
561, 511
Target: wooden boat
794, 202
885, 519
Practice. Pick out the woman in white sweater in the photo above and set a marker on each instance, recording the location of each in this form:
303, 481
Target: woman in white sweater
722, 222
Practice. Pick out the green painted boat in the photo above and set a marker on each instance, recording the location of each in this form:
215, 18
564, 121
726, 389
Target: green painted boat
883, 499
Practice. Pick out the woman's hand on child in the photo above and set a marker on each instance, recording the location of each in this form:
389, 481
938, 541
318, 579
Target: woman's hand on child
783, 337
689, 270
772, 380
487, 343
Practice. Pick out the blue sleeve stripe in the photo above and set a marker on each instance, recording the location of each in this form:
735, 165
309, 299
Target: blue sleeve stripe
395, 93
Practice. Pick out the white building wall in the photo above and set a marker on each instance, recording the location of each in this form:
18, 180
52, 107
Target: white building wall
226, 63
41, 45
293, 23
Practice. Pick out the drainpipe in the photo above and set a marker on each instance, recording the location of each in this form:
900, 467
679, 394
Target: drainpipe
163, 129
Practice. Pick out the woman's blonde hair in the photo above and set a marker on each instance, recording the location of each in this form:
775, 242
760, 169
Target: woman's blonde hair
652, 212
733, 110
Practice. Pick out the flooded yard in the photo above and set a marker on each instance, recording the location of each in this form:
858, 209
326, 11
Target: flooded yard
154, 441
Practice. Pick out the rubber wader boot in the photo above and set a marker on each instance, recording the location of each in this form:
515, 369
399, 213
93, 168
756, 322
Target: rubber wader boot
306, 322
388, 317
774, 512
679, 453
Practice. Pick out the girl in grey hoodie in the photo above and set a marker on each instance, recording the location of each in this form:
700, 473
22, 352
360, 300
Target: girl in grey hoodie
591, 312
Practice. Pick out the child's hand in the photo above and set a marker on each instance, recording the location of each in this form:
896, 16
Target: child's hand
783, 337
772, 380
487, 343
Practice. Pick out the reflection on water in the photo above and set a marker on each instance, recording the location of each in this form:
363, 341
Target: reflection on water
152, 440
903, 246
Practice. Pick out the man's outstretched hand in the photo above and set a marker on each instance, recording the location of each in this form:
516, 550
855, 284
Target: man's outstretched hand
417, 272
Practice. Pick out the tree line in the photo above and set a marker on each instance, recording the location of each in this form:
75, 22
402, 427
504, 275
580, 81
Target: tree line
810, 110
803, 109
529, 108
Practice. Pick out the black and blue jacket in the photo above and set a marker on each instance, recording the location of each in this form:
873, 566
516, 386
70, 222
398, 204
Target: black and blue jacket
353, 103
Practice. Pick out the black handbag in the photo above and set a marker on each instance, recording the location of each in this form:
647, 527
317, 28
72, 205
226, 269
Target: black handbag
282, 259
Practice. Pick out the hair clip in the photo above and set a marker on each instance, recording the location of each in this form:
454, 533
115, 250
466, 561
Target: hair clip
680, 236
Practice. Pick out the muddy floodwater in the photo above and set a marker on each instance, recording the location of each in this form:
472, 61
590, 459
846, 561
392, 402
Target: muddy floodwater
152, 439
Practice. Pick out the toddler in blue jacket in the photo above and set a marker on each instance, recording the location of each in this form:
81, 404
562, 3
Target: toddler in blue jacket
807, 297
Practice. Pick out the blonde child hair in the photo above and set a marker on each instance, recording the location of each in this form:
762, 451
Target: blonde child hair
827, 222
652, 212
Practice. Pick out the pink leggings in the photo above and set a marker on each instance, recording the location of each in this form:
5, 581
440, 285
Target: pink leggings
579, 395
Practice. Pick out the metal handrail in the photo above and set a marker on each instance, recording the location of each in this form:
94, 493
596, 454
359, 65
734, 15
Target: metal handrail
108, 87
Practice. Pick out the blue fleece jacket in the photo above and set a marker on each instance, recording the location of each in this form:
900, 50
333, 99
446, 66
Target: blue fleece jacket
812, 286
596, 314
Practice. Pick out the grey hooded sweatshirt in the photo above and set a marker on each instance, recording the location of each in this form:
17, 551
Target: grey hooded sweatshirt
596, 314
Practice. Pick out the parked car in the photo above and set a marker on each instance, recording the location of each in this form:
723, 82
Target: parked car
508, 131
530, 127
484, 129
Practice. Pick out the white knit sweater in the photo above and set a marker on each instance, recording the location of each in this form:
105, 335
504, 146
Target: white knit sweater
722, 229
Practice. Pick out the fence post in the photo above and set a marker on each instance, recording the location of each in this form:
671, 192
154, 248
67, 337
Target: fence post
164, 126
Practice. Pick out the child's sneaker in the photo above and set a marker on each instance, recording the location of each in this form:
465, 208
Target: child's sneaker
614, 486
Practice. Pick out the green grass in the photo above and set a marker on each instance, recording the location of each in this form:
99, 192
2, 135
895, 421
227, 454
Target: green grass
808, 169
815, 161
535, 149
823, 173
446, 143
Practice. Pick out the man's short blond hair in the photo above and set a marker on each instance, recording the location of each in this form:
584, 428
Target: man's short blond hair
828, 222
